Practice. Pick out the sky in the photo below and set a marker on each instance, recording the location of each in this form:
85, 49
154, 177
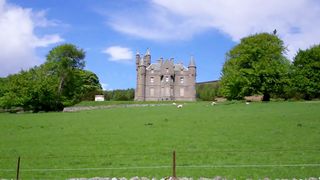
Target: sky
112, 32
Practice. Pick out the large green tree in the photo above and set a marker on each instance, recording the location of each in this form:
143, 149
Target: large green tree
306, 72
255, 66
34, 89
64, 61
60, 81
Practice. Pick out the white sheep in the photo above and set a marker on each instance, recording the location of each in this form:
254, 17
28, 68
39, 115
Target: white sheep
213, 103
180, 106
174, 104
247, 103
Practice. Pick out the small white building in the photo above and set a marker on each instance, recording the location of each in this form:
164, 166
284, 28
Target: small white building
99, 98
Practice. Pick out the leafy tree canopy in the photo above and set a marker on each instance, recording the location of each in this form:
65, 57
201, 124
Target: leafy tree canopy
60, 81
255, 66
306, 76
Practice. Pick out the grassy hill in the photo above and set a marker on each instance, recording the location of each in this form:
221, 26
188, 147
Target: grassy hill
276, 140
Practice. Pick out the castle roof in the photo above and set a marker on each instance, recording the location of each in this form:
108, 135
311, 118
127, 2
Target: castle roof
179, 67
192, 63
160, 64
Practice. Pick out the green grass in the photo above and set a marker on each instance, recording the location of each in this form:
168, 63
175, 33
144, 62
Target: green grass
228, 134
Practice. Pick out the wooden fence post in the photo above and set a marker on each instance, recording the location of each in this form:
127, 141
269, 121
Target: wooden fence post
174, 166
18, 168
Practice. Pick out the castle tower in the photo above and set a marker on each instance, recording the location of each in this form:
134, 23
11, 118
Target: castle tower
141, 80
137, 60
137, 64
193, 74
147, 58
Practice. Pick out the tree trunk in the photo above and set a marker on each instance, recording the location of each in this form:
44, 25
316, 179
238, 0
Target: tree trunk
60, 86
266, 97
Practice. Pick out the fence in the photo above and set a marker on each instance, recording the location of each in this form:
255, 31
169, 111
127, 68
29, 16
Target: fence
167, 167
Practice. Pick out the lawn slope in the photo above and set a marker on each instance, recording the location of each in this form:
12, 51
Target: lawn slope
138, 141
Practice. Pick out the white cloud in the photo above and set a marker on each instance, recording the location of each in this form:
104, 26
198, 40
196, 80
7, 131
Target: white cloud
297, 21
18, 41
156, 24
119, 54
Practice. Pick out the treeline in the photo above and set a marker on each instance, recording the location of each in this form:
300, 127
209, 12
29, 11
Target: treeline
258, 66
208, 91
119, 95
59, 82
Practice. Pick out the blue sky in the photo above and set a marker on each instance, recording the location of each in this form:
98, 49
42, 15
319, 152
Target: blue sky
112, 31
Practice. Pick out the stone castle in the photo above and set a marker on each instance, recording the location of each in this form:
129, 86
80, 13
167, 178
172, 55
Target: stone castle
164, 80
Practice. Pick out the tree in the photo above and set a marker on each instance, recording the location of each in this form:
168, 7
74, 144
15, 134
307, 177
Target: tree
64, 60
306, 76
16, 91
60, 81
90, 85
34, 89
255, 66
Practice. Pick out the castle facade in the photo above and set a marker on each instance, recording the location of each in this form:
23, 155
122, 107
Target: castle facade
164, 80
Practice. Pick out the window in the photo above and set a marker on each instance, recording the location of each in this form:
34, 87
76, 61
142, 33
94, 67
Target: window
151, 91
152, 71
152, 79
181, 80
167, 70
167, 79
181, 92
167, 93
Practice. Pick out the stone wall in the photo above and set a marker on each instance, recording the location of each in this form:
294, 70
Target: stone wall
83, 108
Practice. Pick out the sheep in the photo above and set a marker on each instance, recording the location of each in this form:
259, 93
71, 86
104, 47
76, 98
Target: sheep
247, 103
174, 104
180, 106
213, 103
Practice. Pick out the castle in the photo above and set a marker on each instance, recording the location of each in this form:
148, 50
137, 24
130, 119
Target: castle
164, 80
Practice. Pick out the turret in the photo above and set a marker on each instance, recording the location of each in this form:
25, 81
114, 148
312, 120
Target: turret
147, 58
141, 80
137, 60
192, 67
192, 80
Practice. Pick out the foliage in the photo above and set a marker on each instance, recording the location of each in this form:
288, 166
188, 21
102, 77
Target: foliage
207, 91
60, 81
255, 66
235, 134
120, 95
90, 85
306, 76
16, 91
65, 61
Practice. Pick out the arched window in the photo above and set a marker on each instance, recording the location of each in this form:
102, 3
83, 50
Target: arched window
167, 79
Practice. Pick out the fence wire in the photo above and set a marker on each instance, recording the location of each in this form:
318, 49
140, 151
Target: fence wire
42, 165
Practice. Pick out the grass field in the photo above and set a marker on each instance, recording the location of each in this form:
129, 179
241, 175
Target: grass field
209, 141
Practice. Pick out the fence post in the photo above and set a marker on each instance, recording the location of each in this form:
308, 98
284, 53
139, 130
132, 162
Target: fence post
174, 165
18, 168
